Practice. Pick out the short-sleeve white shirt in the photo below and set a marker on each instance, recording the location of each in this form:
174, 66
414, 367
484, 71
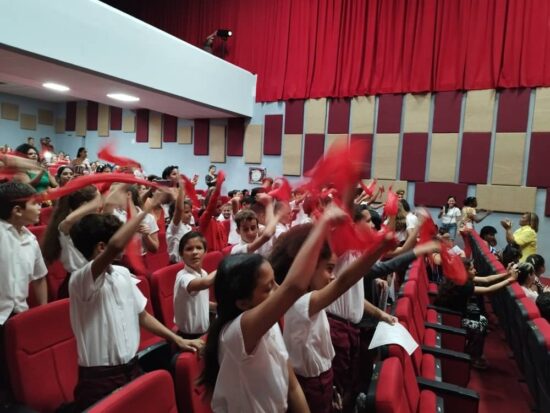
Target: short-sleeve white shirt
71, 258
451, 216
350, 305
149, 220
242, 248
251, 383
20, 263
105, 315
307, 339
191, 310
174, 234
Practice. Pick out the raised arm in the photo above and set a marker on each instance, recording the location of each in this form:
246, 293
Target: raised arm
200, 284
507, 225
85, 209
176, 219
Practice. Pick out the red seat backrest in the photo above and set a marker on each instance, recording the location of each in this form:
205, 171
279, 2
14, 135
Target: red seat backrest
390, 393
190, 397
42, 357
530, 307
160, 259
38, 231
162, 288
151, 393
516, 290
45, 215
146, 337
403, 311
56, 276
227, 250
211, 261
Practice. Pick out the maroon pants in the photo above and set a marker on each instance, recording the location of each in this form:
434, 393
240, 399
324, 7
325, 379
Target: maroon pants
318, 391
346, 343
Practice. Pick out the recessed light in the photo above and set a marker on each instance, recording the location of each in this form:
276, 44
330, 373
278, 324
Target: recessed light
123, 97
56, 86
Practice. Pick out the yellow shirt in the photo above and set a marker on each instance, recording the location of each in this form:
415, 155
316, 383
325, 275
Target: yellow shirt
526, 238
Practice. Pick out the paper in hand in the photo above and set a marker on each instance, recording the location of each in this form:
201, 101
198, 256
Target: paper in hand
393, 334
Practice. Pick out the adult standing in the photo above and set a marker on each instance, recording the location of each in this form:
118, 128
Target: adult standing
212, 177
81, 164
525, 236
450, 215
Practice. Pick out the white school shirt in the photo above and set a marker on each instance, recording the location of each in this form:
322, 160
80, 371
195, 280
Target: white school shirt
149, 220
191, 310
411, 221
71, 258
350, 305
242, 248
234, 237
251, 383
451, 216
174, 234
105, 315
20, 263
307, 339
280, 229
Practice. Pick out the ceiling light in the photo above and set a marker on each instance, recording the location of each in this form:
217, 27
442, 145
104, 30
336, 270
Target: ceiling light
123, 97
56, 86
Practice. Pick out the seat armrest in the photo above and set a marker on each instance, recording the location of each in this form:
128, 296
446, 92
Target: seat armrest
456, 398
441, 328
445, 353
444, 310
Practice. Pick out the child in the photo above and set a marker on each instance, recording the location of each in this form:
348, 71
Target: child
181, 212
307, 332
191, 296
214, 231
107, 309
246, 363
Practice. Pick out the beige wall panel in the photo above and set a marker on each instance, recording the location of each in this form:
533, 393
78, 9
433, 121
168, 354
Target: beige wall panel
155, 130
331, 138
292, 155
103, 120
45, 117
417, 112
479, 110
217, 143
385, 160
541, 116
10, 111
506, 198
27, 122
362, 114
129, 123
443, 157
386, 183
185, 135
315, 115
81, 119
253, 144
508, 158
59, 125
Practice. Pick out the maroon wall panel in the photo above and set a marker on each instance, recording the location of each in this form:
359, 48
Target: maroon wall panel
92, 110
142, 125
314, 147
70, 116
294, 116
413, 157
200, 140
474, 157
116, 118
235, 136
447, 112
513, 110
389, 113
169, 128
435, 194
368, 139
338, 116
273, 134
538, 173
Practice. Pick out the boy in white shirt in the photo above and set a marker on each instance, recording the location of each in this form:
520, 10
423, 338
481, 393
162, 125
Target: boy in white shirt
107, 309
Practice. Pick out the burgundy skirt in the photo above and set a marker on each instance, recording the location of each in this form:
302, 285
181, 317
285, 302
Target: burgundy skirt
318, 391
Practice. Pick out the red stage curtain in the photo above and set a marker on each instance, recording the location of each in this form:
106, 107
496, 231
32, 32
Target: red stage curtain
342, 48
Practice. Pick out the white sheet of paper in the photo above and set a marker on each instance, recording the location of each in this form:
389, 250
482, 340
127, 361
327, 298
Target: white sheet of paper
393, 334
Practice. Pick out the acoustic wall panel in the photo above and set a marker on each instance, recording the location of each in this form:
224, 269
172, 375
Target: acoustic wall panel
81, 118
541, 115
479, 110
474, 157
314, 147
128, 123
367, 139
253, 144
116, 118
362, 114
386, 183
292, 154
59, 125
389, 113
508, 158
91, 115
447, 112
294, 116
155, 130
27, 121
103, 120
273, 134
45, 117
338, 116
142, 125
10, 111
315, 115
217, 144
169, 128
443, 157
201, 130
435, 194
413, 156
538, 173
513, 110
502, 198
417, 112
235, 136
70, 116
387, 150
185, 134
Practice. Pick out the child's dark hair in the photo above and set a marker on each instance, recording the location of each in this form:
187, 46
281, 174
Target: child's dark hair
287, 246
189, 236
245, 215
524, 271
235, 280
172, 207
537, 261
543, 304
136, 199
510, 253
168, 170
93, 229
13, 194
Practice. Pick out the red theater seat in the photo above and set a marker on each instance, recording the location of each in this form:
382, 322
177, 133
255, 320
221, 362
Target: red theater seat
537, 371
211, 261
187, 368
56, 276
160, 259
151, 393
38, 231
45, 215
147, 338
162, 287
42, 357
